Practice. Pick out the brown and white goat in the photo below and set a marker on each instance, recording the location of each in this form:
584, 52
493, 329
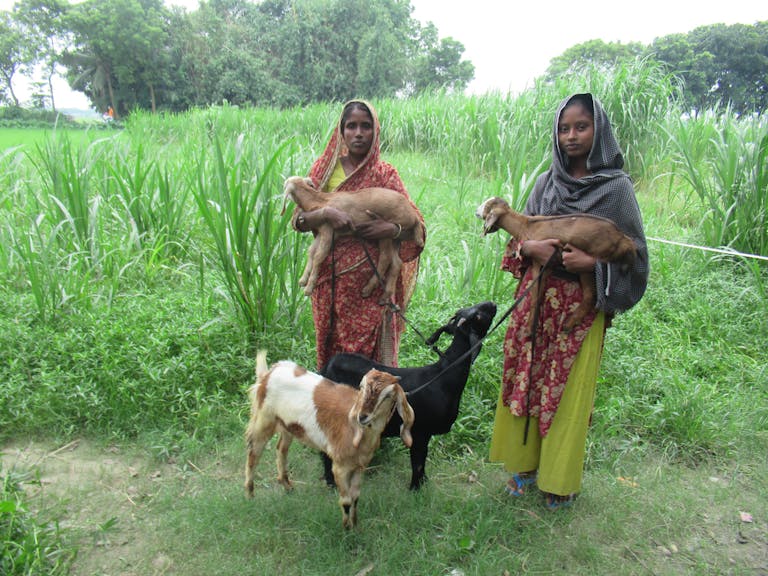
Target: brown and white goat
597, 236
344, 423
387, 204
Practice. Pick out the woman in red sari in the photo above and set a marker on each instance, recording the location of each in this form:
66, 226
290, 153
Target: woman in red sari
549, 379
344, 320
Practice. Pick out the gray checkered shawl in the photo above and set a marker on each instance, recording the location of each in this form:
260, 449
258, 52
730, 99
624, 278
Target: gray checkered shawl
607, 192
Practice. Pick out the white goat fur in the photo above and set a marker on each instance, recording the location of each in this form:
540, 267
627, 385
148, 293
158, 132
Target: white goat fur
387, 204
341, 421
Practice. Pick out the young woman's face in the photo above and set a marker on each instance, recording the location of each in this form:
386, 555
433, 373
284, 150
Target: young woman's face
576, 131
358, 133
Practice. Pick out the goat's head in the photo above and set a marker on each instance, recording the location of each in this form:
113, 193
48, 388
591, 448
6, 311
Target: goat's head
489, 212
379, 396
474, 322
290, 186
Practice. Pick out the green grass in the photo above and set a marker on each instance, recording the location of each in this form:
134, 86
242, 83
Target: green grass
141, 270
28, 138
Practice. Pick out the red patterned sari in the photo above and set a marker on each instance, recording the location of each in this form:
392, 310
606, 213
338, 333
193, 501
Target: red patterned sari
344, 320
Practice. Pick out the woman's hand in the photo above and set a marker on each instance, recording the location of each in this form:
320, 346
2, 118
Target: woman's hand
577, 261
337, 219
540, 251
376, 228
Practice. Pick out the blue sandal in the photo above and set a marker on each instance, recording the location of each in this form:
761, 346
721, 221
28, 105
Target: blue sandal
555, 502
517, 483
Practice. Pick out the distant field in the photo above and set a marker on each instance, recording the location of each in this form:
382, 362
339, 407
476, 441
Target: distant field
29, 137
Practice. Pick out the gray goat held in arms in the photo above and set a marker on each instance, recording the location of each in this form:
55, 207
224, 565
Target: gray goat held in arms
434, 391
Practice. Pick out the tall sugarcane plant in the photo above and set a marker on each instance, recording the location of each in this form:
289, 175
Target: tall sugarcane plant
254, 252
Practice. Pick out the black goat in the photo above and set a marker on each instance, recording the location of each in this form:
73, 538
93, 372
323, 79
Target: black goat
433, 391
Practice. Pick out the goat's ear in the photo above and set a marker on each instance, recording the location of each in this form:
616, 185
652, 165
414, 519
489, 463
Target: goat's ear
355, 424
489, 224
285, 202
436, 336
406, 413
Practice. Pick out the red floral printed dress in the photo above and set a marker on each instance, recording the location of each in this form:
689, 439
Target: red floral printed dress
537, 391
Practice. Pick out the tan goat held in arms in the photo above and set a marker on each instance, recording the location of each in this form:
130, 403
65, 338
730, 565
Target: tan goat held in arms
387, 204
597, 236
344, 423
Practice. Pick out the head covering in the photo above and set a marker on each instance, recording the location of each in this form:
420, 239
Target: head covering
606, 192
370, 172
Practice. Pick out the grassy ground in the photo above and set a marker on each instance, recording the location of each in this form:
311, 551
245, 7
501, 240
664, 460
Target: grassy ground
132, 512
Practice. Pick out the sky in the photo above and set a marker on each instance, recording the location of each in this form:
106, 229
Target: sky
511, 43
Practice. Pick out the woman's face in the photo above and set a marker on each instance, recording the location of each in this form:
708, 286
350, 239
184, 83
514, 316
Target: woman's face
576, 131
358, 133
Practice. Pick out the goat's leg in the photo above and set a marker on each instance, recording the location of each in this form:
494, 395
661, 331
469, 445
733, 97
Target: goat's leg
588, 300
356, 481
343, 478
321, 247
538, 276
392, 274
310, 262
386, 249
419, 450
282, 458
257, 435
328, 470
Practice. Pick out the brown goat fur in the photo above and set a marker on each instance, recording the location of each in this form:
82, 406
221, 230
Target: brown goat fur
341, 421
597, 236
387, 204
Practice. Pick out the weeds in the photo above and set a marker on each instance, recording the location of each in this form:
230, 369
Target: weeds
29, 546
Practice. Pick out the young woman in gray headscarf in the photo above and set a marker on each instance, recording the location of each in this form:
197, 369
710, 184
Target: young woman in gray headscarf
549, 380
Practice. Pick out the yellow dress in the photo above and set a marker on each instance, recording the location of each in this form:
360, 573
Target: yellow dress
559, 456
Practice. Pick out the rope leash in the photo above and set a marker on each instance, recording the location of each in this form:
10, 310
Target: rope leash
728, 252
534, 282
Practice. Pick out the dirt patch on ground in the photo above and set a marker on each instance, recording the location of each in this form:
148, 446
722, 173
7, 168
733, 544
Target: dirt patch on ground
100, 495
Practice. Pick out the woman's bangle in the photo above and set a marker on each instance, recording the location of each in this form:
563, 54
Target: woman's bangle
399, 231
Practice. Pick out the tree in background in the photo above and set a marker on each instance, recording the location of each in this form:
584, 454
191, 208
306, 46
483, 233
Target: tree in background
720, 65
438, 64
45, 37
119, 56
595, 52
139, 54
11, 56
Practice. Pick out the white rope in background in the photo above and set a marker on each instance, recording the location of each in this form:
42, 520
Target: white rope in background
729, 252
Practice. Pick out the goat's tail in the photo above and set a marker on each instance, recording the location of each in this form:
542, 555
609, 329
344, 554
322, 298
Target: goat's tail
261, 363
261, 369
